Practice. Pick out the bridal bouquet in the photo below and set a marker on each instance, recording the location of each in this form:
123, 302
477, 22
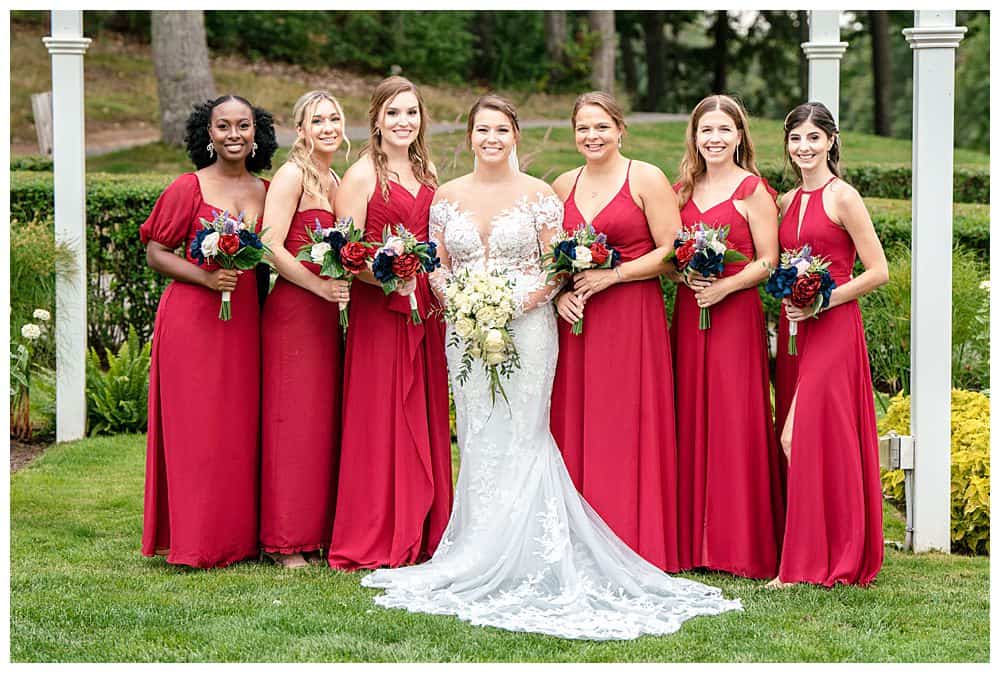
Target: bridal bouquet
805, 279
703, 249
584, 249
339, 251
480, 306
401, 257
232, 244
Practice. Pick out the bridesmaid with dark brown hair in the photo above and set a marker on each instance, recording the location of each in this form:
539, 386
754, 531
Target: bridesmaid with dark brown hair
394, 491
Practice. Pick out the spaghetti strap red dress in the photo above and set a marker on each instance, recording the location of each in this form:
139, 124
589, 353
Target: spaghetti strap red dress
833, 527
202, 446
394, 488
613, 396
730, 498
300, 413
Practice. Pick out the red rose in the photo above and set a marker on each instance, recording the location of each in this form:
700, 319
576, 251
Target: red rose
804, 290
229, 243
406, 266
353, 257
684, 253
598, 253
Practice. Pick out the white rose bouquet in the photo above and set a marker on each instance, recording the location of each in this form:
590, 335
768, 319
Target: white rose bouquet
480, 306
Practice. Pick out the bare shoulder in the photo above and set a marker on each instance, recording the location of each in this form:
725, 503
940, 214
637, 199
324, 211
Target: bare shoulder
844, 194
360, 172
785, 199
288, 173
452, 190
564, 183
533, 185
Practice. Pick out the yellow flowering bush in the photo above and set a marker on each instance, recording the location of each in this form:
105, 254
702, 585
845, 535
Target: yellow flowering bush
970, 466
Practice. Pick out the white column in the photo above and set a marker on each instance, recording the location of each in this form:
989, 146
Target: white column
824, 51
933, 40
67, 47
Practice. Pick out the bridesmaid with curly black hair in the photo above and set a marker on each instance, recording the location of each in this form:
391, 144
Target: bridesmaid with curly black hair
202, 449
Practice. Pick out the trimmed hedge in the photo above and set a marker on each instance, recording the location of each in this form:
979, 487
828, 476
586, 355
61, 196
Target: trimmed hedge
121, 289
971, 185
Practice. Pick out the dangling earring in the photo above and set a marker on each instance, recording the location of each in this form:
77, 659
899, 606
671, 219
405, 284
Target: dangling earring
253, 150
210, 148
737, 157
619, 142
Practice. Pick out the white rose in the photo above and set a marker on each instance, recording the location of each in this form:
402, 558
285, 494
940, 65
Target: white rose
487, 315
451, 291
318, 250
464, 327
31, 331
495, 358
210, 244
494, 342
41, 314
583, 257
717, 246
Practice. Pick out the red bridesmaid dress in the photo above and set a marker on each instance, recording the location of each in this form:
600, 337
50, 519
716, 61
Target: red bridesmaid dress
394, 492
204, 401
300, 407
729, 496
613, 395
833, 528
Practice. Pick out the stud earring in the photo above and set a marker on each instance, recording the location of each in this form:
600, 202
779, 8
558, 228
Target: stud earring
210, 148
253, 149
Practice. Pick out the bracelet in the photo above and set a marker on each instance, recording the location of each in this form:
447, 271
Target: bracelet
619, 274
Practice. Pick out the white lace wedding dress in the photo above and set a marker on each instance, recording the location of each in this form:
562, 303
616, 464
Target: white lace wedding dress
523, 551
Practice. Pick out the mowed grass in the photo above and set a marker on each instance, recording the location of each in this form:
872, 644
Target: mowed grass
80, 591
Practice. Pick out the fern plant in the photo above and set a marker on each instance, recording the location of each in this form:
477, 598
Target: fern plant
116, 398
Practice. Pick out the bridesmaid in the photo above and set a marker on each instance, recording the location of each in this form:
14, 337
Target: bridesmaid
394, 492
300, 338
612, 400
825, 413
204, 375
730, 506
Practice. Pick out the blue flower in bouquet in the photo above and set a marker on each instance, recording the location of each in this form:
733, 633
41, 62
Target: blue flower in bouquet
707, 262
432, 261
826, 287
248, 237
567, 248
616, 257
382, 267
781, 281
337, 240
196, 253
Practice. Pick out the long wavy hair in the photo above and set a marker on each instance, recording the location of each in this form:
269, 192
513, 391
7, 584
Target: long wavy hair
302, 148
693, 164
820, 115
418, 153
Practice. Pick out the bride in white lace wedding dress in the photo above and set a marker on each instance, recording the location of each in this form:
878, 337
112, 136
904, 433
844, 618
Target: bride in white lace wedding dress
523, 551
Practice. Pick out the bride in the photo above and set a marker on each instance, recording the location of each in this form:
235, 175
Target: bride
523, 551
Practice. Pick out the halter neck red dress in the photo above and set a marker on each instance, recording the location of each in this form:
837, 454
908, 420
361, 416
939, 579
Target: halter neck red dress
204, 400
394, 489
833, 528
613, 395
300, 407
730, 499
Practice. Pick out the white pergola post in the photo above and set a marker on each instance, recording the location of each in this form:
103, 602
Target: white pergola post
933, 40
67, 47
824, 51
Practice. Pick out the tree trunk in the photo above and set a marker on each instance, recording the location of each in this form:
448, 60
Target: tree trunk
626, 33
652, 23
803, 61
183, 75
881, 72
602, 60
555, 35
720, 52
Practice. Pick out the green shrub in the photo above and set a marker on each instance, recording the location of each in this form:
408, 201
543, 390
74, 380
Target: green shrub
894, 225
121, 289
970, 466
971, 185
30, 163
886, 314
117, 398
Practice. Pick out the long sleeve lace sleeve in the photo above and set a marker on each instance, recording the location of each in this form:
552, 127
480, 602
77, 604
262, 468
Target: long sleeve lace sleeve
547, 213
436, 223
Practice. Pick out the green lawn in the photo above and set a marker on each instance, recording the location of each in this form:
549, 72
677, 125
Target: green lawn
80, 591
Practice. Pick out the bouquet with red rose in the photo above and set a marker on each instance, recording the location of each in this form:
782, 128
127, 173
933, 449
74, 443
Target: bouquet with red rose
401, 257
584, 249
339, 251
804, 279
703, 249
232, 244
